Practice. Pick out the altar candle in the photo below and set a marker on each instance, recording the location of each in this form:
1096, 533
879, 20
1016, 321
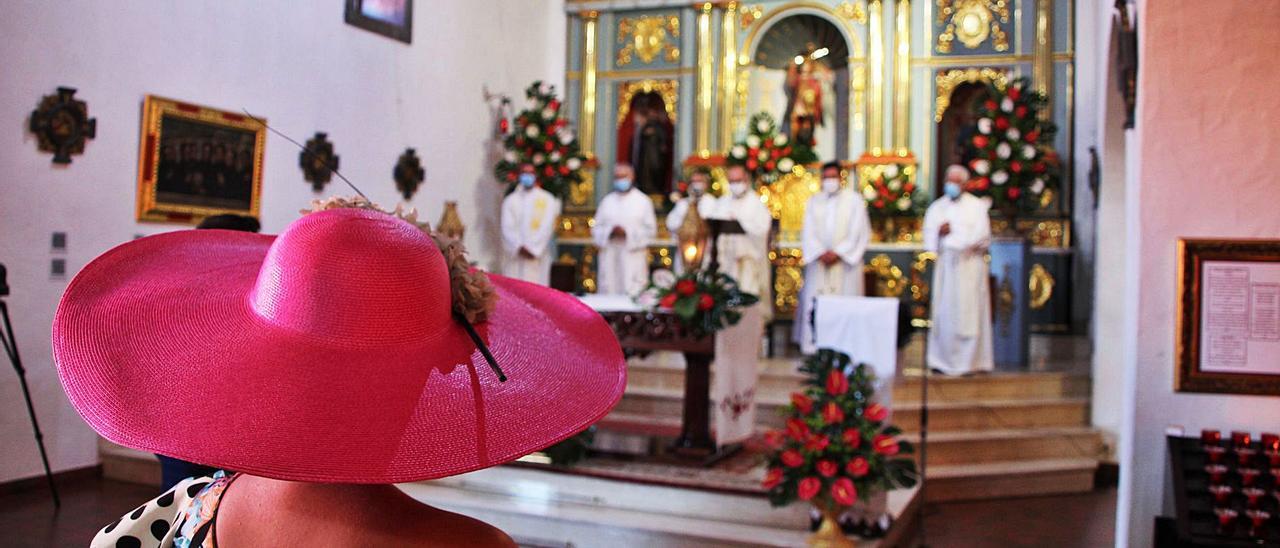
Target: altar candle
1217, 474
1210, 437
1240, 439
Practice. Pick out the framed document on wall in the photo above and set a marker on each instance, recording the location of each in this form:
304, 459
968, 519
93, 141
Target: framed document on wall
1228, 316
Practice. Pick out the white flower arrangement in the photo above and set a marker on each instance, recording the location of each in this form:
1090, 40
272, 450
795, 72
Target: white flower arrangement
531, 131
1037, 185
762, 126
1013, 134
1006, 105
999, 177
548, 113
1028, 152
573, 164
984, 126
763, 156
538, 159
981, 167
555, 157
785, 165
738, 151
904, 203
780, 140
869, 193
509, 156
753, 141
894, 184
891, 171
663, 278
1003, 150
566, 136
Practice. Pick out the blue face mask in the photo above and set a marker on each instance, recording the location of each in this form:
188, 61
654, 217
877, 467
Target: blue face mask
527, 180
952, 190
622, 185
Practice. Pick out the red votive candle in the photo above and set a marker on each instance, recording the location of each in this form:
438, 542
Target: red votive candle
1217, 474
1215, 453
1270, 441
1257, 518
1254, 495
1273, 458
1225, 517
1249, 476
1221, 494
1244, 456
1240, 439
1210, 437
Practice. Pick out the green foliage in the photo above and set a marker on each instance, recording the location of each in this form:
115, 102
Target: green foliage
704, 301
833, 421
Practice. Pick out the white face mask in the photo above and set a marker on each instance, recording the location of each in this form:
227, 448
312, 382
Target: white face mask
698, 189
831, 185
738, 188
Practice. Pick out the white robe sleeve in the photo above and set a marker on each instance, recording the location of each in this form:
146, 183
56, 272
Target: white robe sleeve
810, 245
646, 228
755, 219
855, 243
539, 241
974, 233
512, 236
676, 217
929, 230
604, 220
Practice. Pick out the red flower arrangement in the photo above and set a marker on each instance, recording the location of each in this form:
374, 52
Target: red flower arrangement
704, 301
540, 136
767, 154
836, 447
1014, 165
893, 192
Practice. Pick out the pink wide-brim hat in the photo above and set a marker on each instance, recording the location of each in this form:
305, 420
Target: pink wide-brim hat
326, 354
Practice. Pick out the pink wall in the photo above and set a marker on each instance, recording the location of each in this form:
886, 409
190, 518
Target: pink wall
1206, 164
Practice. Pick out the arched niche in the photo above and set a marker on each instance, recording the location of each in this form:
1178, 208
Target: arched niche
957, 95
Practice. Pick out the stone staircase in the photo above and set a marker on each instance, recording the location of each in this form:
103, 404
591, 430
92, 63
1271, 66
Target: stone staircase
991, 436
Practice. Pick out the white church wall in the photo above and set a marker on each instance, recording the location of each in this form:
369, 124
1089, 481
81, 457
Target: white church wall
1204, 153
296, 63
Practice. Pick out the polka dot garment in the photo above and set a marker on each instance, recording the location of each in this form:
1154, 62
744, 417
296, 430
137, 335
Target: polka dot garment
183, 517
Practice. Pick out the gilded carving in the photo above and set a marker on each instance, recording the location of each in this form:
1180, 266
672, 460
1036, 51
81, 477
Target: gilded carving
646, 37
889, 278
972, 22
920, 285
788, 279
786, 199
751, 15
1040, 285
948, 80
668, 89
582, 193
853, 11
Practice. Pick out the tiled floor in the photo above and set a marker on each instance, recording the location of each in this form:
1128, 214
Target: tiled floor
27, 519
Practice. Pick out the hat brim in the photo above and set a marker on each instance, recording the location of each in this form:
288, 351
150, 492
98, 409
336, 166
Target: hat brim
159, 349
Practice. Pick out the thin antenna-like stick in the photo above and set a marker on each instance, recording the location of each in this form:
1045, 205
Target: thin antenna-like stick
484, 349
307, 151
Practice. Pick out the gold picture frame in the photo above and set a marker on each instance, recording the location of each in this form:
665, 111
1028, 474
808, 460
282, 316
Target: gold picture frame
1253, 259
195, 161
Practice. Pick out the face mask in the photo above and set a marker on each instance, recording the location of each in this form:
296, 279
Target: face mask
527, 180
622, 185
952, 190
738, 188
831, 185
697, 189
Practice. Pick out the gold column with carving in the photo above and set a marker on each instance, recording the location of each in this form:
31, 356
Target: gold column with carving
1042, 68
902, 77
706, 82
587, 121
875, 58
728, 72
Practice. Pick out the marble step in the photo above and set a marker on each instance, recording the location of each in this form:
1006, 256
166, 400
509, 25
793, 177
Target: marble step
943, 416
1008, 445
1003, 479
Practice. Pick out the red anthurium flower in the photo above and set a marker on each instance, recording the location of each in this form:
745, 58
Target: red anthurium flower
1002, 123
549, 146
792, 458
1015, 93
797, 429
668, 301
511, 176
1021, 111
989, 105
857, 467
981, 183
554, 104
837, 382
1015, 166
1039, 167
832, 413
879, 204
753, 153
875, 412
1031, 136
808, 488
980, 141
774, 439
1014, 192
705, 302
885, 445
817, 443
519, 141
852, 438
772, 478
909, 188
549, 171
686, 287
827, 468
770, 165
843, 492
752, 164
564, 170
803, 403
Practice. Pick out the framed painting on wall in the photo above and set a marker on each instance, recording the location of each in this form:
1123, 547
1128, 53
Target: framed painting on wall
195, 161
390, 18
1228, 331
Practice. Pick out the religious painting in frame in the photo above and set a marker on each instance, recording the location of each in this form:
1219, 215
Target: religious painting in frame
390, 18
1228, 331
195, 161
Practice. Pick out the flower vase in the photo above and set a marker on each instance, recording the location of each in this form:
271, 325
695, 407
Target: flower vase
829, 534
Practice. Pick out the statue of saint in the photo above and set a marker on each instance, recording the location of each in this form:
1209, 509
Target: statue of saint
645, 140
804, 87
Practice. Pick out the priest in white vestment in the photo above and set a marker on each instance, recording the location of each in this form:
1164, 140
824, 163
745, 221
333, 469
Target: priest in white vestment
745, 257
833, 241
528, 223
624, 227
699, 185
957, 227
